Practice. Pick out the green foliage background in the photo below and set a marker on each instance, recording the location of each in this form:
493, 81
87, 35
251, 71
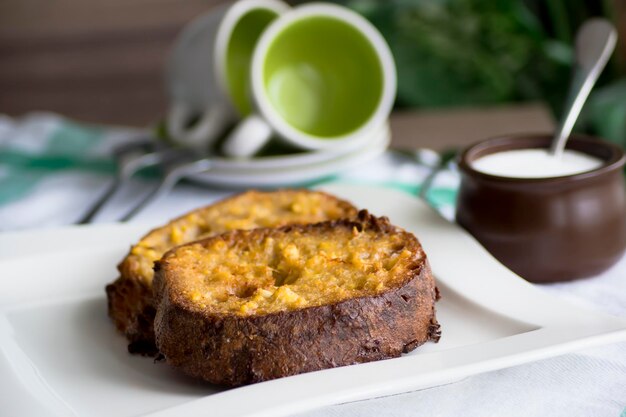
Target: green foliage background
484, 52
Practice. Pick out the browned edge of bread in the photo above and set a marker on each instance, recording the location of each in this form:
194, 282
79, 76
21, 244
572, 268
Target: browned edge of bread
233, 350
129, 299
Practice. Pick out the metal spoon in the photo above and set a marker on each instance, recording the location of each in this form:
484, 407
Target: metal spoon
445, 160
595, 43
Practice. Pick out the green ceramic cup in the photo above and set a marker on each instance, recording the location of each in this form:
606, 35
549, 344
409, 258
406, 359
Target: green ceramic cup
208, 73
322, 78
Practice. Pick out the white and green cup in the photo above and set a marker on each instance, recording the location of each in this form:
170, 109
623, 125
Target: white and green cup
208, 72
322, 78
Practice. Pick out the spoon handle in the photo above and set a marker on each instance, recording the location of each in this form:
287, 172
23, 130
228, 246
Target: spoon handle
579, 91
595, 43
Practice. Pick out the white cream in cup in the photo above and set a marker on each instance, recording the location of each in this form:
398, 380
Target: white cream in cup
535, 163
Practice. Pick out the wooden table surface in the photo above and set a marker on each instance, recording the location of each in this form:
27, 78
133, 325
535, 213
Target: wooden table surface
452, 128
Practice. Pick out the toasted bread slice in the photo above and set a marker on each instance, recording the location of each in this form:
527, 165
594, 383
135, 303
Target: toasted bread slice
130, 296
250, 306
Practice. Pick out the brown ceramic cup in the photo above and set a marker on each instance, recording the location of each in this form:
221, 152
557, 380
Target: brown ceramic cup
547, 229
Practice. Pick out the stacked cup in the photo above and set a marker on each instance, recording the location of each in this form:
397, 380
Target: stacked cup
317, 76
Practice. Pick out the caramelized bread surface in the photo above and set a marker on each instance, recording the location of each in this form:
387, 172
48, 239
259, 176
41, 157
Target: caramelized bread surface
248, 306
130, 296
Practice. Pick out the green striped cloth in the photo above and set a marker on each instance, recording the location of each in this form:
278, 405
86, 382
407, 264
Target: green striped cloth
52, 168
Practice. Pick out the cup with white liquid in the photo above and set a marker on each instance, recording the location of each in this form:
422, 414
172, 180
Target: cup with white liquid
548, 219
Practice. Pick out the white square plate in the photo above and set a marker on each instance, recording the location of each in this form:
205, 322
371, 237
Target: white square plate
60, 355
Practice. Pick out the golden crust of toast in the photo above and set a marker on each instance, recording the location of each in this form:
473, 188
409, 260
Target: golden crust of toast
130, 296
249, 306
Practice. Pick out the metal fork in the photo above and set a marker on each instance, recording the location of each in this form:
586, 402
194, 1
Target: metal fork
174, 173
131, 158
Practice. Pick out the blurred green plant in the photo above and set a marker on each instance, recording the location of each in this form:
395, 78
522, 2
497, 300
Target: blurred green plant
468, 52
484, 52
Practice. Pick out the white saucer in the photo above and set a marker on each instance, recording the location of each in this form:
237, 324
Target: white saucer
293, 169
